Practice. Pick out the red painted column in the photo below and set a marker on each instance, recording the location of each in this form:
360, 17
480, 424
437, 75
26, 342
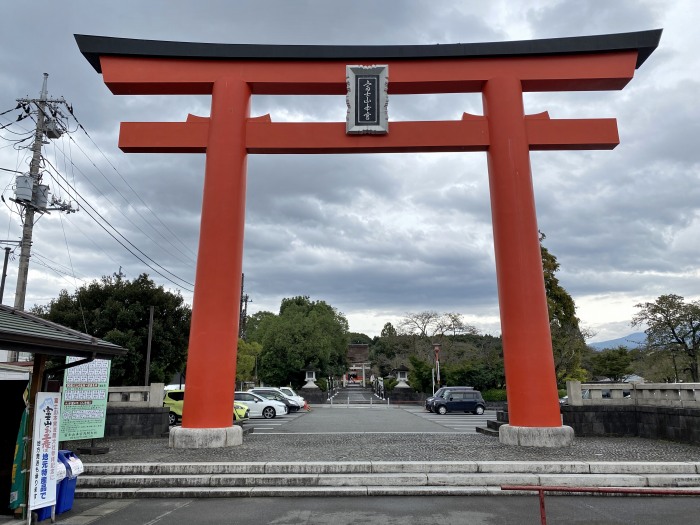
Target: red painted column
211, 359
527, 345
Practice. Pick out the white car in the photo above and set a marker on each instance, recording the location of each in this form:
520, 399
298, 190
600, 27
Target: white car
291, 393
275, 393
260, 406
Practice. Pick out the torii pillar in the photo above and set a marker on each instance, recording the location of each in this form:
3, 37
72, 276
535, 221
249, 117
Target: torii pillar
501, 71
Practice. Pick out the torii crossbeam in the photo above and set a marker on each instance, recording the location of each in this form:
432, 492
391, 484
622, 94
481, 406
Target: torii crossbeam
501, 71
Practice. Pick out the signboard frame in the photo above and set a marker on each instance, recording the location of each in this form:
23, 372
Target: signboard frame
84, 399
367, 99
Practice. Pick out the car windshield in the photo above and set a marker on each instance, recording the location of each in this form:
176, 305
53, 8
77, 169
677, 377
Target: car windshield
288, 391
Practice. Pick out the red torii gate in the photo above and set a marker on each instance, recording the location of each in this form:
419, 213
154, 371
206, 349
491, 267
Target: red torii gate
501, 71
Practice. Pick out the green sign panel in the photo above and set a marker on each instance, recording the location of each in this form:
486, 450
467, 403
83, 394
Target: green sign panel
84, 400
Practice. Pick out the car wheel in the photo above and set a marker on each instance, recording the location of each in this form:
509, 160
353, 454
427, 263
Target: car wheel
172, 418
479, 410
268, 412
442, 410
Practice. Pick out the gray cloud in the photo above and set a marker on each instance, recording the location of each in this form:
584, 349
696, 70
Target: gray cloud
374, 235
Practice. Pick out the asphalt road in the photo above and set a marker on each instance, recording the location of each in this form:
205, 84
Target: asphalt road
473, 510
376, 418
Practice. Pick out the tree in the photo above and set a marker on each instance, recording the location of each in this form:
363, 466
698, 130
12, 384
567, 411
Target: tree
117, 310
672, 326
613, 363
356, 338
388, 331
256, 325
246, 360
429, 324
305, 334
568, 340
420, 376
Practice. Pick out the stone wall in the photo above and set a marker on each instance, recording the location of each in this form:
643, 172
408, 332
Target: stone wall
405, 395
313, 396
652, 422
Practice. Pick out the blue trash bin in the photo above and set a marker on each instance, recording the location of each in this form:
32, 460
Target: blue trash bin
66, 490
45, 512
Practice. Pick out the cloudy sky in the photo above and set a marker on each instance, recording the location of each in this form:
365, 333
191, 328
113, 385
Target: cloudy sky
375, 236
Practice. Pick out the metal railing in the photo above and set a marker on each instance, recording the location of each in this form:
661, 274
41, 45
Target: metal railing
596, 490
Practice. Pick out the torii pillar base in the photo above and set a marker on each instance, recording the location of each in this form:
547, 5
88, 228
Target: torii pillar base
205, 437
549, 437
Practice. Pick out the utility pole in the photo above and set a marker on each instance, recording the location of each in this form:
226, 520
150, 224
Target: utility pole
28, 226
245, 299
148, 348
30, 193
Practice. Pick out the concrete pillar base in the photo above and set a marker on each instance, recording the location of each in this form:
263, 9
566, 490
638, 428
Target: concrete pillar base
551, 437
205, 437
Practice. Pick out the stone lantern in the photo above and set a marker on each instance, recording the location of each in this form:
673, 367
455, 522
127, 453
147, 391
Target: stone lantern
310, 378
402, 377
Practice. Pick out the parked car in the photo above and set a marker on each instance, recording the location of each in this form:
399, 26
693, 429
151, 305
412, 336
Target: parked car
278, 395
429, 401
292, 394
260, 406
459, 399
174, 400
241, 412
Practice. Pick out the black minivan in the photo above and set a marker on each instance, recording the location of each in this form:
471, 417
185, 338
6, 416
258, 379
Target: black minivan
459, 399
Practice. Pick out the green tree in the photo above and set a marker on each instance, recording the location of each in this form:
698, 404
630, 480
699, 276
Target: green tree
613, 363
246, 360
568, 341
420, 376
388, 331
356, 338
673, 326
305, 334
117, 310
256, 325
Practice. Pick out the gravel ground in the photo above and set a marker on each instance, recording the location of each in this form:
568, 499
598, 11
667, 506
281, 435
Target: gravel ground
390, 447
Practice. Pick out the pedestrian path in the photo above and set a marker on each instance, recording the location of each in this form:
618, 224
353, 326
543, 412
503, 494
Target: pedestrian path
457, 421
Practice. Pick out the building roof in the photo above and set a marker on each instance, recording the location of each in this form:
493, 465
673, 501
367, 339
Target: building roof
24, 332
93, 47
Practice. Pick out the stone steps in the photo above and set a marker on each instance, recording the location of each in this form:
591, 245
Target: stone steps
170, 480
492, 427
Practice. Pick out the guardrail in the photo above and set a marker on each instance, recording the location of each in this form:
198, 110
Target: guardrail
681, 395
136, 396
596, 490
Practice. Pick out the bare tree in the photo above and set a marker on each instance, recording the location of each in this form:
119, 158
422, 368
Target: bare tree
672, 324
430, 324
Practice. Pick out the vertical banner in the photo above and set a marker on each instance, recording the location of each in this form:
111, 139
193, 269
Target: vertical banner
84, 408
43, 474
18, 493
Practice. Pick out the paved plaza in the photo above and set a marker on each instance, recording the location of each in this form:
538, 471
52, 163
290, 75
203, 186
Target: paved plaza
378, 433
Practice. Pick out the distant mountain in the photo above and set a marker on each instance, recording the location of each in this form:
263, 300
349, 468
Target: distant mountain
630, 341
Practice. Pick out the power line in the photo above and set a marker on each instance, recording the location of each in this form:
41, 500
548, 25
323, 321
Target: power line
125, 200
77, 194
126, 182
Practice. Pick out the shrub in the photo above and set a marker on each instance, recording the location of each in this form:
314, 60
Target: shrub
390, 383
494, 394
